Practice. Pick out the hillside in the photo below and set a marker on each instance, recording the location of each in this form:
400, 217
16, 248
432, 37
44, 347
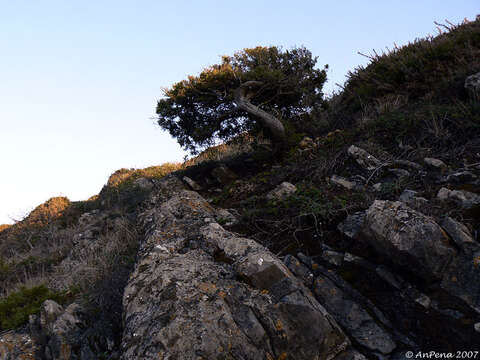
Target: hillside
362, 242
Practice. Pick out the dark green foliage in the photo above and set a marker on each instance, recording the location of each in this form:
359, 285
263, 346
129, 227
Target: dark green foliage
202, 109
15, 308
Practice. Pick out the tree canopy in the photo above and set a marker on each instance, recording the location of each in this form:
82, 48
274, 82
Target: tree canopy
255, 89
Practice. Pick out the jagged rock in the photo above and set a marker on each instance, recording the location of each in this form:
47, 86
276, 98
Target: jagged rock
341, 181
215, 293
407, 237
352, 317
464, 198
224, 175
472, 84
352, 225
143, 183
377, 187
436, 163
460, 235
281, 191
363, 158
409, 197
193, 185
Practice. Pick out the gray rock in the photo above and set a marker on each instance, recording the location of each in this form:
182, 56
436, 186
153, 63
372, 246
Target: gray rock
341, 181
409, 197
460, 235
332, 257
477, 327
363, 158
436, 163
352, 317
461, 177
472, 84
215, 293
463, 198
408, 238
281, 191
400, 173
377, 187
193, 185
352, 225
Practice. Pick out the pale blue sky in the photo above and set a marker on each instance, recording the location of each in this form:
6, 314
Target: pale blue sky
79, 80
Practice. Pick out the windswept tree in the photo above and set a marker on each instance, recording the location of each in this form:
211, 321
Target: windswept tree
255, 89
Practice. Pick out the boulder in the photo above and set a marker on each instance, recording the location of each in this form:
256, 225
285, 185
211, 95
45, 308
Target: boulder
363, 158
408, 238
282, 191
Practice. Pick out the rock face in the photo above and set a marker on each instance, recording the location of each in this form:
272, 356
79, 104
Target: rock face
408, 238
211, 294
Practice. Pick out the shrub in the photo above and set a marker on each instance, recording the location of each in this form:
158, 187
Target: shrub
18, 306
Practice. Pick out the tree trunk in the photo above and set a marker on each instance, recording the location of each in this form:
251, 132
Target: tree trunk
274, 125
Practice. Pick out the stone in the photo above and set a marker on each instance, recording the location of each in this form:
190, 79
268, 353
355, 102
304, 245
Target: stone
400, 173
409, 197
476, 326
461, 177
363, 158
460, 234
341, 181
463, 198
436, 163
224, 175
352, 225
332, 257
472, 84
352, 317
281, 191
377, 187
408, 238
191, 183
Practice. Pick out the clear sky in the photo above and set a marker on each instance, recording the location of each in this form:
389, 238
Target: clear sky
79, 80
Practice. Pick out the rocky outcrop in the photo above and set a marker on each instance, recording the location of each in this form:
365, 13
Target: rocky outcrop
199, 291
409, 238
281, 191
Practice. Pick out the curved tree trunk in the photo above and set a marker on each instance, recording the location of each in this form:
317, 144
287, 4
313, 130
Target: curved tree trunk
267, 120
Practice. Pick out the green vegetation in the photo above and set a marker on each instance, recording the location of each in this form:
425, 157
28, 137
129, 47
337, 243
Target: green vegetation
16, 308
251, 91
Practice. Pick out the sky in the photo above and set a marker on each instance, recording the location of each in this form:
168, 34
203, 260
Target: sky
79, 80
